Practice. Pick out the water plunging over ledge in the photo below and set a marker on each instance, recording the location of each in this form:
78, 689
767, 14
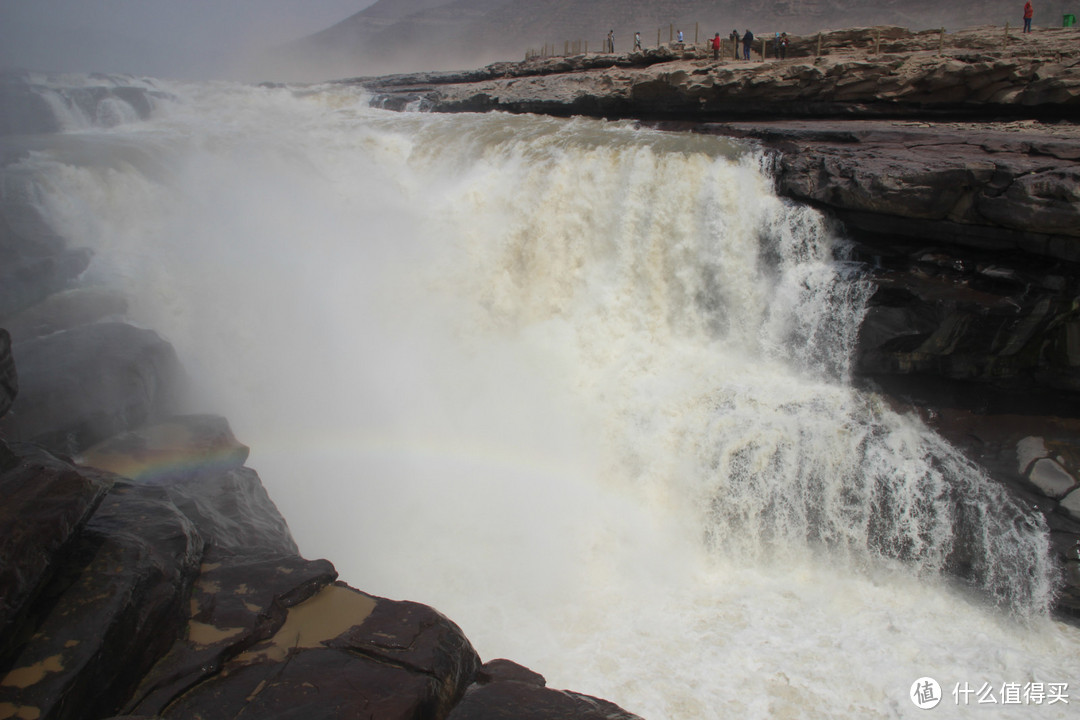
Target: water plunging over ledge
579, 385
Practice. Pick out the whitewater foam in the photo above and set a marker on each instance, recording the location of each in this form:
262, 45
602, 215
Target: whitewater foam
579, 385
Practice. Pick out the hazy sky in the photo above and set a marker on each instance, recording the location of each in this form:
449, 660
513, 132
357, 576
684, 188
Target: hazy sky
179, 38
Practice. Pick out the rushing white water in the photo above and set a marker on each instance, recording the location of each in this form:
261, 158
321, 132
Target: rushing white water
579, 385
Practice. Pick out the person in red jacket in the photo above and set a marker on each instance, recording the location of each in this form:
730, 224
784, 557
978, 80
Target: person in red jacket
716, 47
1029, 12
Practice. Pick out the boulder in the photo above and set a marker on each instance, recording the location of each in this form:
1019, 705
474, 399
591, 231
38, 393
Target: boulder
1050, 478
337, 653
46, 504
66, 309
235, 604
505, 690
114, 608
200, 465
82, 385
177, 448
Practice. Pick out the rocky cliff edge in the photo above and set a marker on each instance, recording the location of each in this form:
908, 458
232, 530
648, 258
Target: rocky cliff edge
951, 163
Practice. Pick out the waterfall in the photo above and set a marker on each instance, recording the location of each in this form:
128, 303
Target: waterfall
581, 385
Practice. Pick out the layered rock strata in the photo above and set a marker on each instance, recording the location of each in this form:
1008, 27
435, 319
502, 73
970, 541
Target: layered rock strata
952, 163
871, 72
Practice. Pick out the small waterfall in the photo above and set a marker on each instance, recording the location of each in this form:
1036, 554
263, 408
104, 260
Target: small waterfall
35, 103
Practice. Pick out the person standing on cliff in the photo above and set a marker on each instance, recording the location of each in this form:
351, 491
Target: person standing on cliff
611, 41
637, 41
783, 45
716, 47
1029, 12
747, 43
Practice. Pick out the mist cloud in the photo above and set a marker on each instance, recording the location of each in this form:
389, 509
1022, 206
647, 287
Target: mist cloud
167, 38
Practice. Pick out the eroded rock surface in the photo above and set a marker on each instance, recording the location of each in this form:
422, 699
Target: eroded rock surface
82, 385
866, 72
177, 591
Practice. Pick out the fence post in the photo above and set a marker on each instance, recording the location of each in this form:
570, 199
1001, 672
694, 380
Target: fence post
764, 44
819, 44
877, 42
941, 41
657, 37
1005, 40
695, 33
671, 33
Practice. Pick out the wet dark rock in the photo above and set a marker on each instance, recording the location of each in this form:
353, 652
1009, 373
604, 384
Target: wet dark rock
419, 639
233, 512
46, 503
9, 378
339, 651
83, 385
183, 596
65, 310
113, 610
505, 690
235, 604
503, 670
178, 448
199, 463
943, 334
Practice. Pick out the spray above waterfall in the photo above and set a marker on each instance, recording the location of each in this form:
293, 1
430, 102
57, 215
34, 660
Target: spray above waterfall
522, 367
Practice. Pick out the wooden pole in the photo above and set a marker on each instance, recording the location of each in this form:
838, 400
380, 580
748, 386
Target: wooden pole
695, 33
1005, 40
819, 44
763, 46
671, 34
657, 37
877, 42
941, 41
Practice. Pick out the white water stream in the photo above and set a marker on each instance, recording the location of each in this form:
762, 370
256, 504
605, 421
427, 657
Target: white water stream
581, 386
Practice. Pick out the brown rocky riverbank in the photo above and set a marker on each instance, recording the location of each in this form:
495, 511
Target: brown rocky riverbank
864, 72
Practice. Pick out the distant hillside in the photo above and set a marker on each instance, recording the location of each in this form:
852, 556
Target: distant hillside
411, 35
